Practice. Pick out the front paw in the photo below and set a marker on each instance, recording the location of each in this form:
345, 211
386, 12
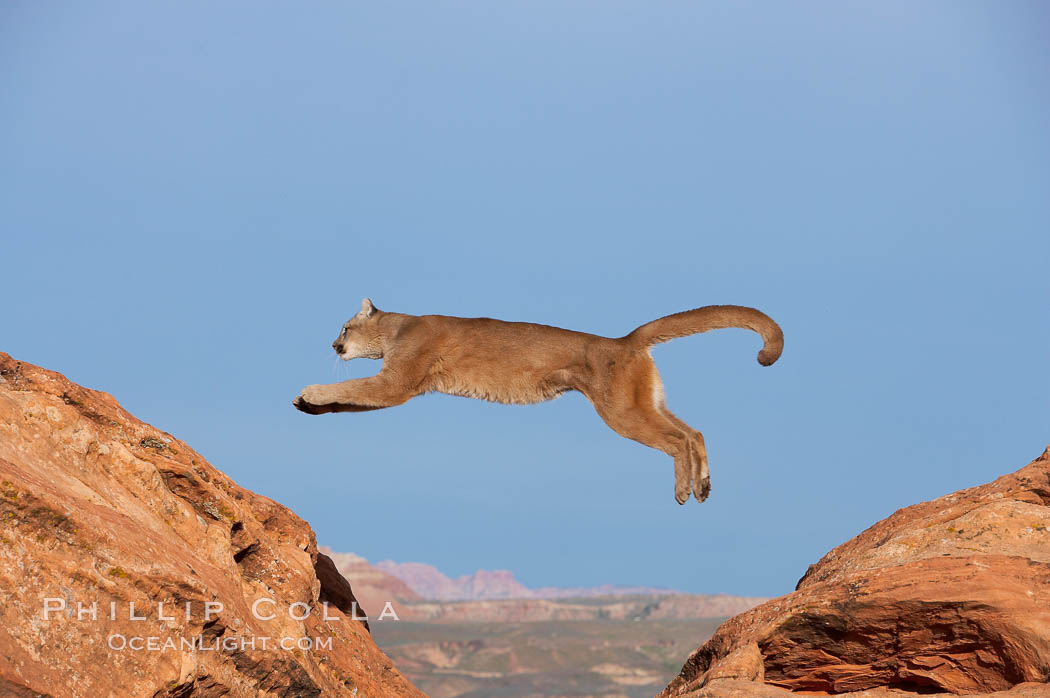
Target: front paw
303, 402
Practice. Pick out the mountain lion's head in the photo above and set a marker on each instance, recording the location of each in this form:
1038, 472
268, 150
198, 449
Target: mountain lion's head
360, 337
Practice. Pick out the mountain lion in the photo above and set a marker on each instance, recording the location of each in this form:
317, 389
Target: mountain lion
519, 363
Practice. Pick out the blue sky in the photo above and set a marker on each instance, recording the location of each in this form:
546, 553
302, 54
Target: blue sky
195, 196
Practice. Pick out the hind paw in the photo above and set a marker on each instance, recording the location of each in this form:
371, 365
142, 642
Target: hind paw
702, 489
701, 476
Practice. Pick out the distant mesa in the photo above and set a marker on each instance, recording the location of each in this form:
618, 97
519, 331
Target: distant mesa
373, 587
426, 582
421, 592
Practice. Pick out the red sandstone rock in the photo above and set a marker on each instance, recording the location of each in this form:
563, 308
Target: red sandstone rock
98, 507
948, 596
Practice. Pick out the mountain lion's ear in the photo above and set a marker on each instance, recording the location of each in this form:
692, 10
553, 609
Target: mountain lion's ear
367, 309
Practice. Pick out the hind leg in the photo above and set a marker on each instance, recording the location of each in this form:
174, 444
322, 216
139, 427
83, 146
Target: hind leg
632, 408
650, 427
699, 476
699, 473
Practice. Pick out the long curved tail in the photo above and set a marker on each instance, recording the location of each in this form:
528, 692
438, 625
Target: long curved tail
713, 317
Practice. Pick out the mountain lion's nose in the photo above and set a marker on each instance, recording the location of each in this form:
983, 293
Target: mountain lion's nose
338, 347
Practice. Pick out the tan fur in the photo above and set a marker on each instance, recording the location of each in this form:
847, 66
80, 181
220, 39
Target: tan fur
520, 363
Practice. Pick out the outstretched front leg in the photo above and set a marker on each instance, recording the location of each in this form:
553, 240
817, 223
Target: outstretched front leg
355, 395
